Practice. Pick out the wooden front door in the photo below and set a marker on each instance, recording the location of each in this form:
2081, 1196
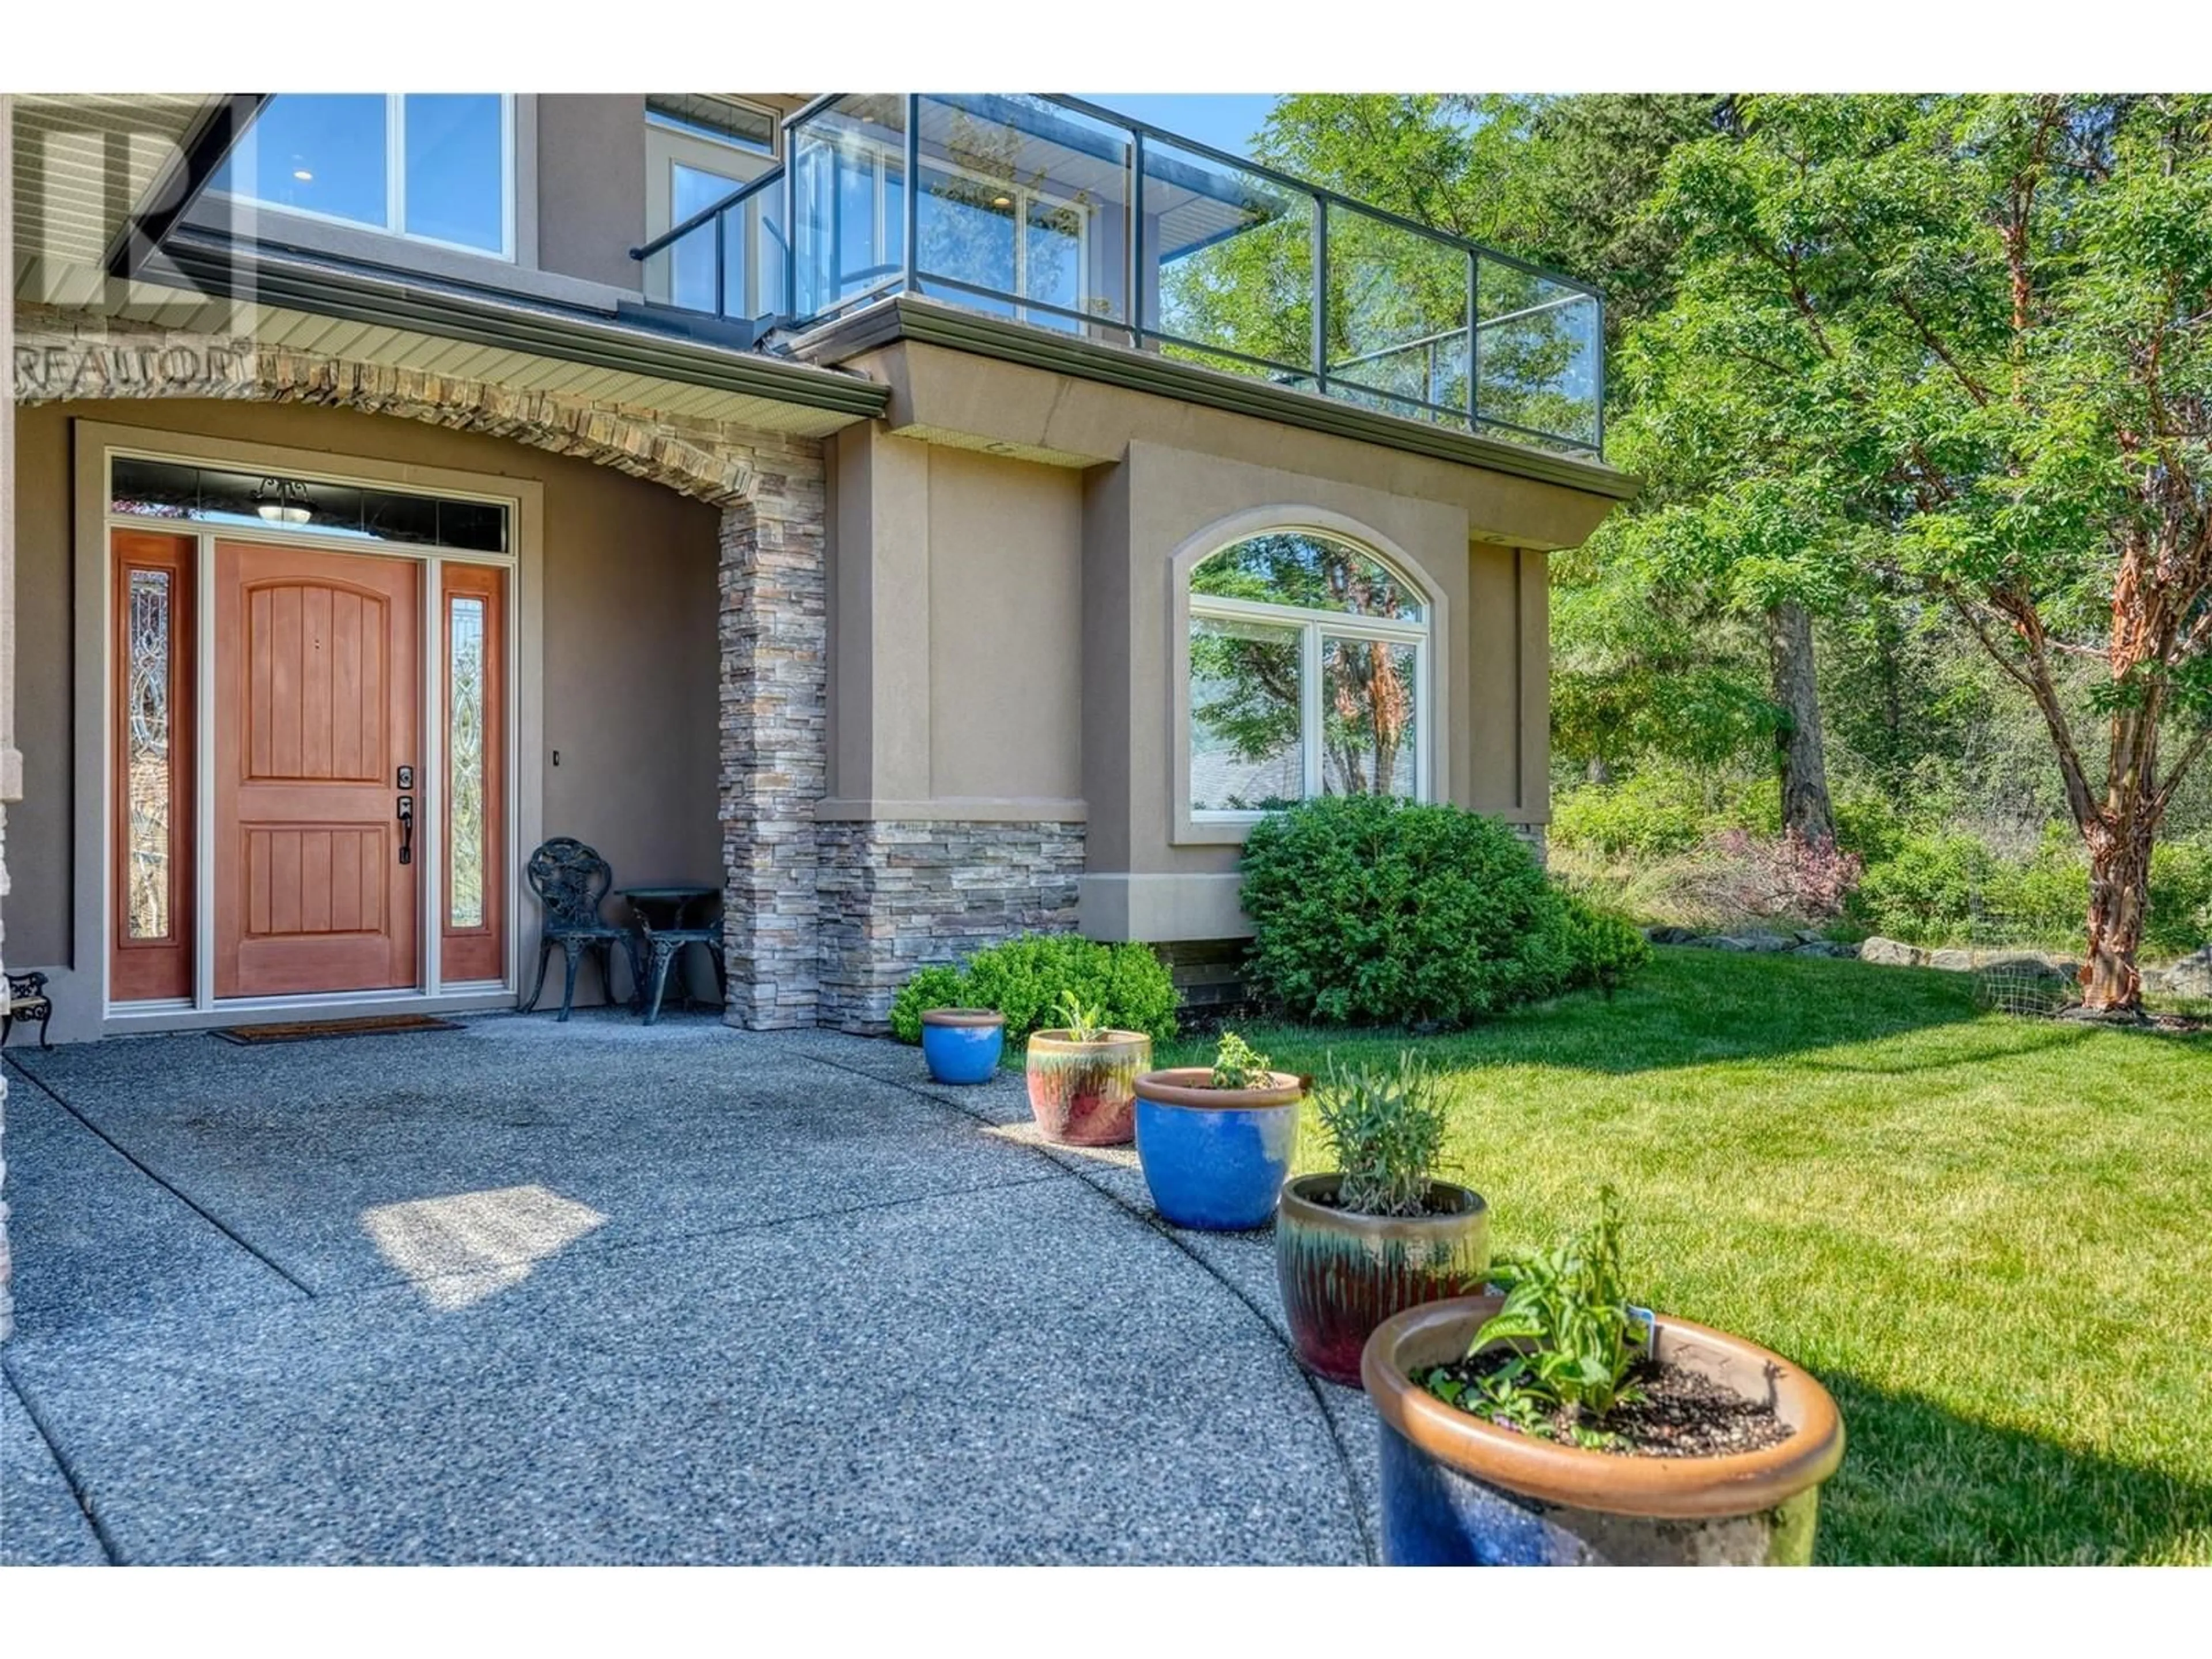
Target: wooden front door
317, 709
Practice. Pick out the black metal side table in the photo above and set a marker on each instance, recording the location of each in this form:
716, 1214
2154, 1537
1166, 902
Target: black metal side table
667, 919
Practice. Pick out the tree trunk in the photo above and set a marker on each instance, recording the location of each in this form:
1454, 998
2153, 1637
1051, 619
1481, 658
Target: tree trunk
2119, 898
1805, 806
1598, 771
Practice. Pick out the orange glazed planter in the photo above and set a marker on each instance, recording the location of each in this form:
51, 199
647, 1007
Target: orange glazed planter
1084, 1094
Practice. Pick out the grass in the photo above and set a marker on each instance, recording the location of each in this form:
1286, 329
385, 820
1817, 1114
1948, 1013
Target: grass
1988, 1236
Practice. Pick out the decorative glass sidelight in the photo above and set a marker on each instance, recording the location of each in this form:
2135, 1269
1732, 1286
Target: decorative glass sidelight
149, 723
464, 760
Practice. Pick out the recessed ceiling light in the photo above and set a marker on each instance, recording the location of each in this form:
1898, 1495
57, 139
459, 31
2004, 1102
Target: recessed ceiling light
303, 175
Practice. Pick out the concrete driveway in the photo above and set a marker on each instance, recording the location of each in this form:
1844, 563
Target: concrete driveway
528, 1292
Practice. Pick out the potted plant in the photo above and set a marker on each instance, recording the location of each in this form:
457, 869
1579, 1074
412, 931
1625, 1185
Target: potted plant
1380, 1233
1557, 1424
1083, 1077
963, 1045
1216, 1144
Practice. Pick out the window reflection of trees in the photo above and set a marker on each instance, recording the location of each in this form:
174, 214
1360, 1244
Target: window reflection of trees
1260, 623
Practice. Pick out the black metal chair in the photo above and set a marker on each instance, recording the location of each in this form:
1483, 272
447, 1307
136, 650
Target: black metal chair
27, 1000
571, 881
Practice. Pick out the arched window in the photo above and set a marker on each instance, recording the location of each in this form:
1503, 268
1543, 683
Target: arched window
1309, 675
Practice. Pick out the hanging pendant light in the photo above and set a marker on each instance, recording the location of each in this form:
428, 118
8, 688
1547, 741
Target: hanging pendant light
283, 501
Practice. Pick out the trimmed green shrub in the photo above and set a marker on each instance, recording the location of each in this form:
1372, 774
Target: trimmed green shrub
1608, 948
1026, 977
1369, 910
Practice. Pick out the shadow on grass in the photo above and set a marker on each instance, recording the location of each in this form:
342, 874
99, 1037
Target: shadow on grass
1923, 1485
1697, 1007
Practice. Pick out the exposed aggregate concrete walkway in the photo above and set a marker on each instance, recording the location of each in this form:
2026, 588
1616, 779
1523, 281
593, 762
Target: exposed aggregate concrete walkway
601, 1292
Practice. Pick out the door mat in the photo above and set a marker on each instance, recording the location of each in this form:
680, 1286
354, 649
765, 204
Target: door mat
308, 1030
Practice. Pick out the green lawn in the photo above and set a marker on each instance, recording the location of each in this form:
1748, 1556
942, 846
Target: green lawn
1990, 1238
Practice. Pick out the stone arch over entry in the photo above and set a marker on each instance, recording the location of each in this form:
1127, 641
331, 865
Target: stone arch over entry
773, 625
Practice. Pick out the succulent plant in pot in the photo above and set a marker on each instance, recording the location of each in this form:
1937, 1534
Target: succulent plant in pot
1557, 1424
1381, 1232
1216, 1142
1083, 1077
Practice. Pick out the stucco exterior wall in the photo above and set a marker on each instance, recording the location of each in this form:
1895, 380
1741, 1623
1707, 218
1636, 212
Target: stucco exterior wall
957, 634
591, 185
629, 583
1004, 644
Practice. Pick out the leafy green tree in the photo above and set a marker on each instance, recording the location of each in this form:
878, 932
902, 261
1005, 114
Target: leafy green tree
1654, 655
1961, 342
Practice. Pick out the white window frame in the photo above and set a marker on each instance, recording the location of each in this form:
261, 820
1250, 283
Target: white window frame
1023, 197
395, 187
699, 135
1311, 626
668, 145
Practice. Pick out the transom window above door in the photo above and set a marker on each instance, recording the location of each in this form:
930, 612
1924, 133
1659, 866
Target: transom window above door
1308, 676
435, 167
146, 489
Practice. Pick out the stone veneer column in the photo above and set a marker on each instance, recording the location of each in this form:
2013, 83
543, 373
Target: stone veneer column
897, 895
774, 745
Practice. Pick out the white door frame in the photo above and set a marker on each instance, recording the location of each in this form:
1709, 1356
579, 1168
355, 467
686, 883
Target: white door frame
96, 444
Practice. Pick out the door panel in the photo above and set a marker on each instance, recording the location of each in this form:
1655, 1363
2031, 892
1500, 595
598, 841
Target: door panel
318, 705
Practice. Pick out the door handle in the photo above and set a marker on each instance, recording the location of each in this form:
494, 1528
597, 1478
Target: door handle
407, 829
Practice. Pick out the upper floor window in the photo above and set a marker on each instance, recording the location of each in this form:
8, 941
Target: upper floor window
717, 119
436, 167
699, 148
1308, 676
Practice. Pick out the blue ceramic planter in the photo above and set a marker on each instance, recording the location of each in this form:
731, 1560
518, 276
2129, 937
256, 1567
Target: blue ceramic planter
1215, 1158
1458, 1492
963, 1045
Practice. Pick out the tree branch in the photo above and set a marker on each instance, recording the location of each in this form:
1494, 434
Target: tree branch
2190, 756
1974, 388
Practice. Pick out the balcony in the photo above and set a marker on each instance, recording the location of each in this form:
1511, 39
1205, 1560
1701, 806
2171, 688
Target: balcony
1055, 213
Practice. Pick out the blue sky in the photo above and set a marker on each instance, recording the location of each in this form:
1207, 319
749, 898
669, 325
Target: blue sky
1225, 120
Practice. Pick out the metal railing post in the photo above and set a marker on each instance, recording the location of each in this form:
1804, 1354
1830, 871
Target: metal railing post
1135, 238
913, 231
790, 218
1474, 340
1319, 292
721, 229
1599, 302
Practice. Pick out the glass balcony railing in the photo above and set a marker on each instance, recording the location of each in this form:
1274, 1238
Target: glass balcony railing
1055, 212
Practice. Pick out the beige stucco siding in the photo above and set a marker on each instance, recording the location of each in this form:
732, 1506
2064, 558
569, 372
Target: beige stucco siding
956, 633
591, 185
960, 398
1006, 627
630, 657
1007, 642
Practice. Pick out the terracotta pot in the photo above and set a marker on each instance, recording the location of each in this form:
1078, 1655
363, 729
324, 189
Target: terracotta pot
1084, 1094
1342, 1274
1216, 1159
963, 1045
1458, 1492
